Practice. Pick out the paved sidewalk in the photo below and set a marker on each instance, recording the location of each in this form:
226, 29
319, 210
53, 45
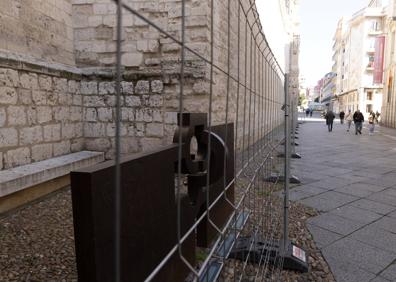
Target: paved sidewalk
351, 180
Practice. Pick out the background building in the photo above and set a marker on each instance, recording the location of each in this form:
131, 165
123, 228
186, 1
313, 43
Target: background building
388, 114
328, 89
358, 59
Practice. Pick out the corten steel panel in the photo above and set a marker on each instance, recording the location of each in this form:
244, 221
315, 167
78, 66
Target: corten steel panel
148, 219
148, 207
220, 213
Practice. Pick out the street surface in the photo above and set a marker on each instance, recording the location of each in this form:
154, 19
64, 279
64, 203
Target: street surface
351, 180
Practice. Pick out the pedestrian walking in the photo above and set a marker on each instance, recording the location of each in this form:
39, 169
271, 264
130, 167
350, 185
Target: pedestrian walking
349, 119
310, 112
358, 119
377, 116
307, 112
342, 116
329, 119
371, 120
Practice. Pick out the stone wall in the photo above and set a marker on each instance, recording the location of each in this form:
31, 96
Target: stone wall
143, 47
145, 124
246, 94
41, 116
38, 29
47, 110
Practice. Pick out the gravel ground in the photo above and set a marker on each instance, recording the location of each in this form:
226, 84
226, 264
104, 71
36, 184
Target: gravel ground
37, 241
299, 234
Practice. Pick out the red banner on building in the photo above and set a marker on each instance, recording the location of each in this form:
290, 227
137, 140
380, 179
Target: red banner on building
379, 59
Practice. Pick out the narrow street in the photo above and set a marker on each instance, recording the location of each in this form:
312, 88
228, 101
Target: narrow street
351, 180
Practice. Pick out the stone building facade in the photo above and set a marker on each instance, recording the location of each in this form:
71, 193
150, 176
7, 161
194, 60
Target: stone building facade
388, 114
57, 75
353, 55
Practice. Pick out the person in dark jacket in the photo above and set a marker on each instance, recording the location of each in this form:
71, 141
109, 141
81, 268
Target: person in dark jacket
342, 116
329, 120
358, 119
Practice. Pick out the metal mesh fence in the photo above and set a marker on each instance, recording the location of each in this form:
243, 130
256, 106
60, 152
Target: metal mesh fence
246, 93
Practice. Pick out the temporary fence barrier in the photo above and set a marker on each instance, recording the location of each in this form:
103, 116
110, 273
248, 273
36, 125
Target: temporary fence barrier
173, 215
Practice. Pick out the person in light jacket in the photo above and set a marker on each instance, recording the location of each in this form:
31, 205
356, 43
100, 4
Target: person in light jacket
371, 120
349, 119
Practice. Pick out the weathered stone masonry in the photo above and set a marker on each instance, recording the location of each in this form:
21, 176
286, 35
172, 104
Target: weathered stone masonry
61, 99
148, 51
40, 117
46, 115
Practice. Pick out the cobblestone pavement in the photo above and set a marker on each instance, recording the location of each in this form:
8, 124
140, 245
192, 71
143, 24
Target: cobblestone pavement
351, 180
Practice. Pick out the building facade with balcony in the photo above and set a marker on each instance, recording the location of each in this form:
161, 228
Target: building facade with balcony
358, 60
328, 89
388, 114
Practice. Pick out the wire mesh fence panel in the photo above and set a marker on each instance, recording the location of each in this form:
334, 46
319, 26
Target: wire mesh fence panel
244, 90
180, 212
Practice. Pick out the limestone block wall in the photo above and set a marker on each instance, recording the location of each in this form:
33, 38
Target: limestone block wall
251, 103
145, 122
38, 29
50, 109
40, 116
144, 47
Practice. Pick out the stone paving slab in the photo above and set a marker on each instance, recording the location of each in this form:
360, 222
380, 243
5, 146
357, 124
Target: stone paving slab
298, 195
376, 207
310, 189
354, 191
352, 178
376, 237
380, 279
368, 186
322, 236
392, 214
356, 229
386, 223
331, 184
318, 203
356, 214
384, 181
367, 175
383, 198
345, 271
390, 192
328, 201
337, 224
367, 257
389, 272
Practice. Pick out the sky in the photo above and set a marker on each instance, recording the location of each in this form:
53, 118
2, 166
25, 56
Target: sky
319, 20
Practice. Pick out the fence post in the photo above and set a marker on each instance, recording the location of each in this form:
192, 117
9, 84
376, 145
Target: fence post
287, 165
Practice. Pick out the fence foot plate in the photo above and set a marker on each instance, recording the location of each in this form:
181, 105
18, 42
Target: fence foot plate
256, 249
274, 178
296, 156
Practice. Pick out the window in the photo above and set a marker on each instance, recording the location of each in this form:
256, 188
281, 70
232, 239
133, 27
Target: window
371, 62
375, 25
369, 108
369, 95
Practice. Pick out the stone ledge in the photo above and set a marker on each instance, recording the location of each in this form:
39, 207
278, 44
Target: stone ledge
22, 177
